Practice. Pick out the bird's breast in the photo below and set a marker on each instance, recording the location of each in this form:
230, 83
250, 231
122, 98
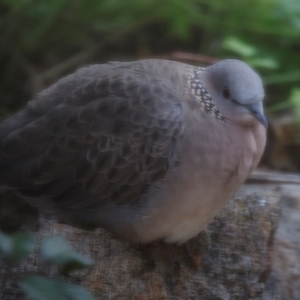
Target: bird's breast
212, 166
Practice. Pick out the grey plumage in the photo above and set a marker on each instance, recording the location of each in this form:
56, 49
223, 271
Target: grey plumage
148, 150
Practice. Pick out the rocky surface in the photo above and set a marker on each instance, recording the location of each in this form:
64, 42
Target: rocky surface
232, 259
286, 266
283, 147
285, 273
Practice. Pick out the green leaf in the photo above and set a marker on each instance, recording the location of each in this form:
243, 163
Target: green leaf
17, 246
56, 250
263, 63
5, 244
239, 47
294, 99
40, 288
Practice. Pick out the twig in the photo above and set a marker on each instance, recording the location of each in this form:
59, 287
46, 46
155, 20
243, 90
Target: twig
203, 59
267, 177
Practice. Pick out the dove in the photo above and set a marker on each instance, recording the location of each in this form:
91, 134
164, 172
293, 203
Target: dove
149, 150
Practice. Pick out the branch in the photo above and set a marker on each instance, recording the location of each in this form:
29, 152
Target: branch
192, 57
267, 177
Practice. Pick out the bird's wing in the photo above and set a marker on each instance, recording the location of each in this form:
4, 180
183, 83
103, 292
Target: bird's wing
109, 138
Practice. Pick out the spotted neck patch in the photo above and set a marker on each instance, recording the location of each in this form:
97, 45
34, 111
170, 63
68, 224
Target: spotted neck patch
202, 95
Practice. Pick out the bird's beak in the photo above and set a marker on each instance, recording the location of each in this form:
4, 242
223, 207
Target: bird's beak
257, 111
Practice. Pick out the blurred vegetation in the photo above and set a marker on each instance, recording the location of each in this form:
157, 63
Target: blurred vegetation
41, 40
53, 250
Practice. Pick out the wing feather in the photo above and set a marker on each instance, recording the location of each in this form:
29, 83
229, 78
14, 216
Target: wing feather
108, 138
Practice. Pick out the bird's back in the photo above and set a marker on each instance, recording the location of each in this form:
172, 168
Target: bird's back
62, 147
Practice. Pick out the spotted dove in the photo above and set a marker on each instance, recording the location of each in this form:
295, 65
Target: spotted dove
149, 150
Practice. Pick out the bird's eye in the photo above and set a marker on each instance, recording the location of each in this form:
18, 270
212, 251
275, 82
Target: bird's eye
226, 93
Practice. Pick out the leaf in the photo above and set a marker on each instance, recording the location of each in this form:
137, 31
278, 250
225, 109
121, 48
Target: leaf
239, 47
56, 250
294, 99
17, 246
40, 288
263, 63
5, 244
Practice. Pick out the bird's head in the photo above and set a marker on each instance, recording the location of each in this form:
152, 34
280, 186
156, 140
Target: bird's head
237, 91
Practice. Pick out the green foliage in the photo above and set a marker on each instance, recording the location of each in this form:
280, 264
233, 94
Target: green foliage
249, 53
40, 288
38, 34
292, 103
294, 100
64, 23
16, 247
54, 250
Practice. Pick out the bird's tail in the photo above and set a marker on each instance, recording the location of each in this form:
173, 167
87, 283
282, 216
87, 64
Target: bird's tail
16, 151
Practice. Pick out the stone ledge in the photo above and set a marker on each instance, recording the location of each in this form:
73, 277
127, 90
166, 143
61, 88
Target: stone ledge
233, 254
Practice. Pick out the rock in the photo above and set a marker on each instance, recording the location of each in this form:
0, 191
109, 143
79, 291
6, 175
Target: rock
285, 271
286, 253
282, 151
233, 258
